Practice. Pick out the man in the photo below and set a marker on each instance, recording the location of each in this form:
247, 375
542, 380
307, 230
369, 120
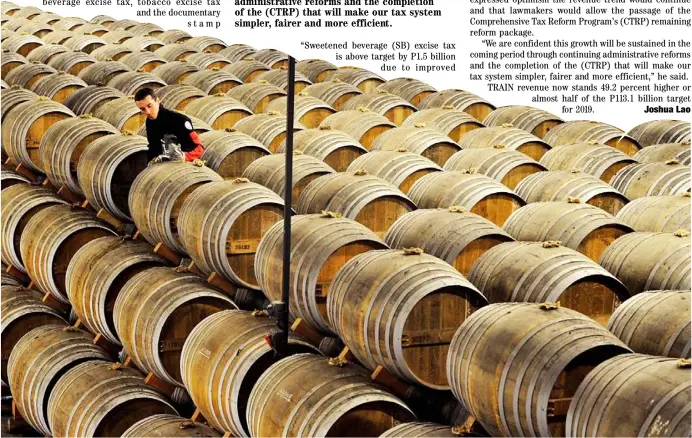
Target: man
164, 122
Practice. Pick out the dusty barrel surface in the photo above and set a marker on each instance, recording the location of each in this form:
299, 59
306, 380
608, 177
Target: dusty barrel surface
269, 129
100, 73
218, 111
238, 51
174, 72
381, 102
20, 204
540, 272
206, 43
364, 198
87, 100
650, 261
335, 148
399, 168
363, 79
22, 44
139, 43
167, 425
598, 160
308, 111
221, 225
279, 77
50, 240
229, 152
13, 96
38, 360
560, 185
451, 122
410, 338
504, 165
173, 36
176, 52
664, 152
323, 243
142, 61
661, 131
58, 87
412, 90
315, 69
63, 145
419, 139
246, 70
222, 360
22, 311
609, 390
256, 96
107, 169
656, 322
462, 100
508, 136
146, 29
178, 96
477, 193
9, 178
10, 61
415, 430
84, 43
349, 404
652, 179
157, 195
453, 234
525, 389
212, 81
45, 53
335, 93
362, 124
582, 227
97, 274
580, 131
99, 398
665, 214
155, 312
122, 113
131, 81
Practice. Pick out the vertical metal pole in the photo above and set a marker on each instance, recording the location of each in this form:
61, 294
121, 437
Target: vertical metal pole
288, 190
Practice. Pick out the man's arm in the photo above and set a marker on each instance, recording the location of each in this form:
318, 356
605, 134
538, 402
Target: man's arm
188, 138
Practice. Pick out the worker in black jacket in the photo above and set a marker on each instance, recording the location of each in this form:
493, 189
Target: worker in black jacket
161, 122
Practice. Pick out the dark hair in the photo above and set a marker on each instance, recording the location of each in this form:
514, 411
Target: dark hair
142, 93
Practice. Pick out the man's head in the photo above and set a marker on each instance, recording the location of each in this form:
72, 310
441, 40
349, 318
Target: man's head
147, 102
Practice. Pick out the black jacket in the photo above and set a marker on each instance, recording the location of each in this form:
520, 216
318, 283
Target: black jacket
170, 122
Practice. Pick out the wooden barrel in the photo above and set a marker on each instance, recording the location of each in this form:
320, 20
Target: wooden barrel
230, 152
72, 62
580, 131
198, 125
69, 23
9, 178
206, 43
92, 29
99, 398
316, 70
461, 100
560, 185
236, 52
101, 72
146, 29
175, 52
47, 17
322, 244
279, 77
664, 152
419, 429
256, 96
107, 169
26, 75
361, 124
7, 279
410, 339
22, 311
104, 20
22, 44
381, 102
39, 360
516, 367
364, 198
656, 323
9, 8
139, 43
269, 129
63, 145
6, 33
538, 272
219, 111
45, 53
126, 24
660, 132
13, 96
273, 58
174, 72
178, 96
222, 223
173, 36
58, 87
504, 165
142, 61
607, 392
247, 70
334, 93
50, 240
155, 312
158, 194
167, 425
595, 159
453, 234
97, 274
399, 167
532, 120
582, 227
20, 204
335, 148
477, 193
349, 403
207, 60
364, 80
10, 61
24, 127
222, 360
58, 37
131, 81
87, 100
84, 43
121, 113
451, 122
270, 171
36, 29
117, 36
665, 214
212, 81
308, 111
650, 261
507, 136
652, 179
409, 89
